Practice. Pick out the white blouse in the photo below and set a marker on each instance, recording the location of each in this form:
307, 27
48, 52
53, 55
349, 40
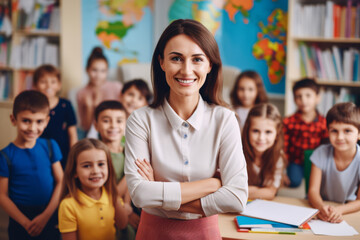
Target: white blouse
185, 151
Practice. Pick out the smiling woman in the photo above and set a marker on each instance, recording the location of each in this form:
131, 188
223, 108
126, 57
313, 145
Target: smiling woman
182, 139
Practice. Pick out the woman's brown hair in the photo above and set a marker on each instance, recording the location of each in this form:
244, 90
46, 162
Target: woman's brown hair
271, 156
261, 96
72, 183
211, 91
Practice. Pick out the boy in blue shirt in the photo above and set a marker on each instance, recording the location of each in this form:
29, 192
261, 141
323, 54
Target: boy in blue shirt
30, 172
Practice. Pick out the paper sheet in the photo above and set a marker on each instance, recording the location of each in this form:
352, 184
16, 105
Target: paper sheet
332, 229
279, 212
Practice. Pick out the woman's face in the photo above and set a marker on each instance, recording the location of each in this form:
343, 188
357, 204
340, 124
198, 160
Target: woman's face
185, 65
97, 72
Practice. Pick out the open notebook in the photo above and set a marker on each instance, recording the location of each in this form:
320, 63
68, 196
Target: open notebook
279, 212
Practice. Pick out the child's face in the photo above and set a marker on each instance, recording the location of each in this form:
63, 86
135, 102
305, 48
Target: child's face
92, 170
306, 100
343, 137
262, 134
97, 72
49, 85
247, 92
30, 125
132, 99
111, 125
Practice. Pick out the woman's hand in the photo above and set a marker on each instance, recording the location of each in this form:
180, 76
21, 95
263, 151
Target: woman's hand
145, 169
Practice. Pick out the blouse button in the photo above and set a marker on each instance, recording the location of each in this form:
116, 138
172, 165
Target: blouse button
186, 162
101, 218
185, 124
185, 136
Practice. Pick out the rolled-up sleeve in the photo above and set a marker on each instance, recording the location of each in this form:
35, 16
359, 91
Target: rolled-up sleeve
233, 194
146, 194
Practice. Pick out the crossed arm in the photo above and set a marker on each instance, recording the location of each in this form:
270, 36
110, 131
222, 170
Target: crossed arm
191, 192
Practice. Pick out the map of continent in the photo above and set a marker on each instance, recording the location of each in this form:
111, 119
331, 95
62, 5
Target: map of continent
113, 31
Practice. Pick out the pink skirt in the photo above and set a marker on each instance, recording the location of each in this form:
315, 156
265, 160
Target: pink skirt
157, 228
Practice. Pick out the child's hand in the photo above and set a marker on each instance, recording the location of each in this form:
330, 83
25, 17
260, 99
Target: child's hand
286, 180
324, 213
335, 215
37, 225
145, 169
134, 220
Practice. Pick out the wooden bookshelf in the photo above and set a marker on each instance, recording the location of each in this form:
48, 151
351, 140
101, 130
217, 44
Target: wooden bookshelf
18, 35
293, 55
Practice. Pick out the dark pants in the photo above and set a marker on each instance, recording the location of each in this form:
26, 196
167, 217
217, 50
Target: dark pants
295, 173
50, 231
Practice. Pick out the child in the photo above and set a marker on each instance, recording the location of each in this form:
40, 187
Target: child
90, 206
335, 172
110, 121
97, 90
262, 140
305, 129
30, 172
248, 90
62, 124
135, 94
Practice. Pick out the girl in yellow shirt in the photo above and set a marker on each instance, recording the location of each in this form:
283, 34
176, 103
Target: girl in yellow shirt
90, 208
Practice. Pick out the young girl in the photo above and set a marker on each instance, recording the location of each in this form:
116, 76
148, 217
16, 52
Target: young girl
90, 205
248, 90
262, 139
97, 90
62, 124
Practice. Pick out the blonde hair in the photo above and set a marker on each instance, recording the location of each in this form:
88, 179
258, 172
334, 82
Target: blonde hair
270, 157
72, 184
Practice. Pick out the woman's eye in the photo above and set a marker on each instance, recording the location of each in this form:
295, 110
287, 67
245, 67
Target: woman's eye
175, 58
268, 132
198, 60
101, 164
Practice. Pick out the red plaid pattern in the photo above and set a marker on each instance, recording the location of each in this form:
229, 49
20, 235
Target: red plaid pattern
300, 136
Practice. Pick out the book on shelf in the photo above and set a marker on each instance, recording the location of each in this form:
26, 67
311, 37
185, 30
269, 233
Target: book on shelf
330, 96
5, 81
39, 16
335, 64
33, 52
328, 19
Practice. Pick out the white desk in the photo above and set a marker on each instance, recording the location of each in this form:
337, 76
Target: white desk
228, 229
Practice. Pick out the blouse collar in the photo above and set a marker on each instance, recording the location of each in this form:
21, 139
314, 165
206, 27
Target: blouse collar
194, 120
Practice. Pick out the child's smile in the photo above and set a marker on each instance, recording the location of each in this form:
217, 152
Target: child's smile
92, 171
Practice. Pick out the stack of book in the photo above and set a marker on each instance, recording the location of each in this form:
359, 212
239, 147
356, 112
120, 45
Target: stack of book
336, 64
327, 20
4, 51
261, 216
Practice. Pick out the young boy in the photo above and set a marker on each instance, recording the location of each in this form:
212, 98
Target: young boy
30, 172
110, 122
335, 172
62, 124
305, 129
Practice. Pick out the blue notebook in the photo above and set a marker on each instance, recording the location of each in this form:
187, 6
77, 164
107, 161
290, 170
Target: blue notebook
249, 222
